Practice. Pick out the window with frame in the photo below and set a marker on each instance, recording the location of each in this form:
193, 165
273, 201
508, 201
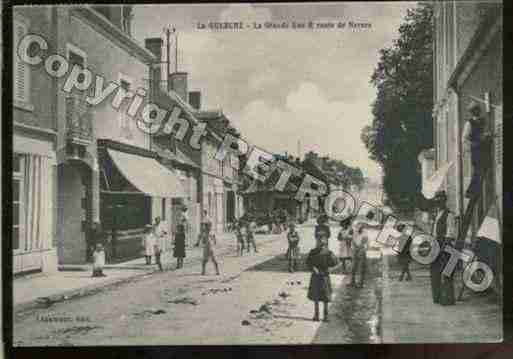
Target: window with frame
21, 71
18, 184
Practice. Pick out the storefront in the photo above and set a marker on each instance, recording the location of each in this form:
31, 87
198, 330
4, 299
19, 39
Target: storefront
34, 210
134, 189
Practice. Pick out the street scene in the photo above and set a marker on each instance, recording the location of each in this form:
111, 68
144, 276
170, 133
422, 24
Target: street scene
245, 174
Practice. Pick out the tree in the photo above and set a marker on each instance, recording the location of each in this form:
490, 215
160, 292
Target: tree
402, 124
335, 170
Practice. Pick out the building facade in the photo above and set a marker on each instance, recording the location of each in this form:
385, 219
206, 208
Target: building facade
220, 178
104, 159
468, 70
34, 176
468, 67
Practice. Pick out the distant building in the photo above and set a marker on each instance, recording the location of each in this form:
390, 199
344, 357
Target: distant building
220, 179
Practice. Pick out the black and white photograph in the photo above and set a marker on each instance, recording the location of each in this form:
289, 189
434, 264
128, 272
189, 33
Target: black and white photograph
255, 173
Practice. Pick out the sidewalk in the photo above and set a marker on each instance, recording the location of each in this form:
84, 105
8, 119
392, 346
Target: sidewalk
409, 314
75, 280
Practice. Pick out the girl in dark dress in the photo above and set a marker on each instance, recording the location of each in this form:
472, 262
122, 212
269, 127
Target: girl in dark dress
179, 249
319, 260
404, 257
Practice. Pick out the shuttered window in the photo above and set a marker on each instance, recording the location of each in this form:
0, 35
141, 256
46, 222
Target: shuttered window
21, 84
18, 184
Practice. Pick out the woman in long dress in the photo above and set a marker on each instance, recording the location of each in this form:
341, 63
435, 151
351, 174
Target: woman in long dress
149, 243
179, 248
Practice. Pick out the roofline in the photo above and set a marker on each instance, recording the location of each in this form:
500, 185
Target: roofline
113, 32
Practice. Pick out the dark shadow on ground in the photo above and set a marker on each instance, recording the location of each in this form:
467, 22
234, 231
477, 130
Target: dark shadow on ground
280, 264
308, 319
355, 312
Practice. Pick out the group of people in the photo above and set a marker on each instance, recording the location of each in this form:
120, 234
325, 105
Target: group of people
245, 234
155, 237
353, 246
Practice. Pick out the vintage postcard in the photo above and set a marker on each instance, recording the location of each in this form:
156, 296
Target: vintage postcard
257, 173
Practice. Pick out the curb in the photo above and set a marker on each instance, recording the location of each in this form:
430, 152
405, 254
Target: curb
47, 302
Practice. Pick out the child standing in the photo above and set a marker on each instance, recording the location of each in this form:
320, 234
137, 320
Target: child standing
98, 261
149, 243
344, 239
250, 234
322, 225
208, 241
240, 238
404, 256
360, 246
319, 260
293, 251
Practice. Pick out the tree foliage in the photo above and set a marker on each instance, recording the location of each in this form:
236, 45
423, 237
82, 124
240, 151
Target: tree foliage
336, 171
402, 124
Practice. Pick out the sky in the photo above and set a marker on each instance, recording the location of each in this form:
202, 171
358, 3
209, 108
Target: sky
284, 87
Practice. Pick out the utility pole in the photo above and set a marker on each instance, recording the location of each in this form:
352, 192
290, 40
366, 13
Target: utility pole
167, 58
176, 49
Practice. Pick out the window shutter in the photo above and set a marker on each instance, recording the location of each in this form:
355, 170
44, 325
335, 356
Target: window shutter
20, 82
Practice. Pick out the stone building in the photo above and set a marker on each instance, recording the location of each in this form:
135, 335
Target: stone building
35, 126
468, 68
108, 174
220, 179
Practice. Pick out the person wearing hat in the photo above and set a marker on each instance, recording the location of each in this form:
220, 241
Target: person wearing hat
475, 140
322, 225
148, 243
319, 261
442, 287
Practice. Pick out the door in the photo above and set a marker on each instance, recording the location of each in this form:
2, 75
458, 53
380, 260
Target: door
230, 214
72, 219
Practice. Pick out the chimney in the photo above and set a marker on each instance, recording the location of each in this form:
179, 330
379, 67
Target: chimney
178, 83
195, 99
154, 45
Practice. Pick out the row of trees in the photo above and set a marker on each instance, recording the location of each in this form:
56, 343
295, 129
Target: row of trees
402, 123
336, 171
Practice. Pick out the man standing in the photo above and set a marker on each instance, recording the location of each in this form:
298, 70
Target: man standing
442, 287
475, 141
